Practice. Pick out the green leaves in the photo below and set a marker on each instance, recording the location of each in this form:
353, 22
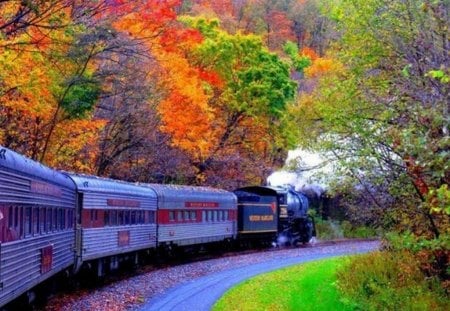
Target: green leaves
384, 117
81, 95
439, 75
298, 62
258, 82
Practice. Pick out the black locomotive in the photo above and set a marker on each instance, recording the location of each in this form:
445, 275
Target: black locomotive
280, 214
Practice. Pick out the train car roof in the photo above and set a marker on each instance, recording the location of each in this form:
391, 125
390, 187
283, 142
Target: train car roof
17, 163
167, 192
90, 183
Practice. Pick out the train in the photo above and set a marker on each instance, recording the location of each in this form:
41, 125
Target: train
60, 223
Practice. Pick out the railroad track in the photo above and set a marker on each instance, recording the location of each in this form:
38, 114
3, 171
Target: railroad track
130, 290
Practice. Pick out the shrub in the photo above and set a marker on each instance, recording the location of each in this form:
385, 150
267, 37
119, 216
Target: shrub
390, 280
351, 231
329, 229
433, 255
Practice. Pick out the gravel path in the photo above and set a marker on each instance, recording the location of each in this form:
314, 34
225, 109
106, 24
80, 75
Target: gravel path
154, 288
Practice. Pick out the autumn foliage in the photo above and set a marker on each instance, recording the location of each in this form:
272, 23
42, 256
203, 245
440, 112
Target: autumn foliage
213, 92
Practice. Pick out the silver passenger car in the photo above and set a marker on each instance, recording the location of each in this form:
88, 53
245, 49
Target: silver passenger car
115, 217
190, 215
37, 211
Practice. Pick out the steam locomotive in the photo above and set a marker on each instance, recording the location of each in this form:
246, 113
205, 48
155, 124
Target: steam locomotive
54, 222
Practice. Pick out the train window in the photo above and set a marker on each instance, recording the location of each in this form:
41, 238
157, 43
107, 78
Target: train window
27, 221
19, 220
112, 218
65, 218
133, 217
179, 216
55, 219
152, 217
187, 215
58, 219
49, 220
171, 216
121, 218
35, 220
127, 217
139, 217
106, 218
61, 219
203, 215
43, 221
16, 216
193, 215
10, 217
70, 219
210, 217
225, 215
214, 215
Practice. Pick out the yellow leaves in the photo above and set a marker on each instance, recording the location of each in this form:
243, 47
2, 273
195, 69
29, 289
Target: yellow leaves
26, 84
75, 140
321, 66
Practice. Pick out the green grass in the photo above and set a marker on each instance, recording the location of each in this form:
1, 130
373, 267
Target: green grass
309, 286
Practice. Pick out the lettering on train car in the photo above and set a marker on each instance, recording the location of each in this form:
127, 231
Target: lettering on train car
123, 238
261, 217
46, 259
45, 188
123, 203
201, 204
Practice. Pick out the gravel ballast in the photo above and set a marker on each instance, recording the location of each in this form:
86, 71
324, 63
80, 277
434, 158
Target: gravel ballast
153, 289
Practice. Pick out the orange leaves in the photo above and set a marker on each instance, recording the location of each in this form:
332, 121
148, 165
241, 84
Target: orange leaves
321, 66
185, 113
189, 124
75, 140
143, 19
309, 52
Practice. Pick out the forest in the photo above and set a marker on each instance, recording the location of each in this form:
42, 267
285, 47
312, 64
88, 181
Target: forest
216, 92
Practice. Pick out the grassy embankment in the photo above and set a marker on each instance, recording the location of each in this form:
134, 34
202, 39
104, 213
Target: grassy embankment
375, 281
310, 286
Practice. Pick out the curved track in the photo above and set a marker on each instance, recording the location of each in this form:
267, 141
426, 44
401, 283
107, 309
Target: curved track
202, 293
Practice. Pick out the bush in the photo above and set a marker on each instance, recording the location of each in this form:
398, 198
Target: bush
390, 280
432, 254
329, 229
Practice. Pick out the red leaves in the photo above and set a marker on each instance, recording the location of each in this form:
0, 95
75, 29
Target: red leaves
176, 39
211, 77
